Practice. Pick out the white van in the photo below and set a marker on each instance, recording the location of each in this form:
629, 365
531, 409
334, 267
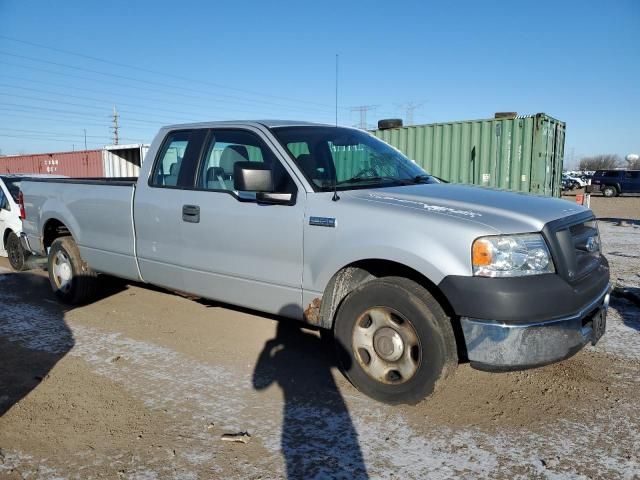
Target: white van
10, 223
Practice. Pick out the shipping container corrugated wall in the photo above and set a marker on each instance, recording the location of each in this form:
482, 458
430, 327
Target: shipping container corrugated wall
85, 163
123, 160
111, 161
523, 154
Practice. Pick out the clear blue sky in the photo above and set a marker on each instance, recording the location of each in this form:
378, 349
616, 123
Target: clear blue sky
577, 61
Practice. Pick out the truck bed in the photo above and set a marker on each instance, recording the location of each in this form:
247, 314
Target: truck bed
97, 212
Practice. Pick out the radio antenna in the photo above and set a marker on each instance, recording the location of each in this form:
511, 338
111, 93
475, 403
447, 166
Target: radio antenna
336, 89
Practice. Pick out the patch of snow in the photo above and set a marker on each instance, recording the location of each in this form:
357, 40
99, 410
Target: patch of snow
191, 391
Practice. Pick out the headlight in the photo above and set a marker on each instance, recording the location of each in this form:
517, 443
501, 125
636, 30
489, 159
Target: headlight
511, 256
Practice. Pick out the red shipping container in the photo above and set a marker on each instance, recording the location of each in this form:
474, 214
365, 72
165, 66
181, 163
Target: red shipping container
80, 164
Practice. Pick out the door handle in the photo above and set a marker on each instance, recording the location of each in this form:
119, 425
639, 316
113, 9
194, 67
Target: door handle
191, 213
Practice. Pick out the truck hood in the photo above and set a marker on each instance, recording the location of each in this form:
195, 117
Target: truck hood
503, 211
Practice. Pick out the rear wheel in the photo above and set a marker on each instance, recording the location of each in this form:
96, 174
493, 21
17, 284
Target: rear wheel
609, 191
72, 280
15, 252
394, 340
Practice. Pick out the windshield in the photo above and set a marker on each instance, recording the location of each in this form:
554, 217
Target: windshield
13, 185
348, 158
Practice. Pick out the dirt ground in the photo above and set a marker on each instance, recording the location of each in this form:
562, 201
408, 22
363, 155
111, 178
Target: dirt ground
143, 383
624, 207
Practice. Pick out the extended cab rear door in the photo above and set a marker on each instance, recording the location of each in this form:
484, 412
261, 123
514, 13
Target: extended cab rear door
197, 234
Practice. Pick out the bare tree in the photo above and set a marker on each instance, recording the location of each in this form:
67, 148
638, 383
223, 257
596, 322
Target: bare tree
600, 162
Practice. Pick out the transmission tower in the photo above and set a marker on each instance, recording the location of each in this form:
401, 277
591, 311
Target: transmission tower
116, 128
362, 110
409, 108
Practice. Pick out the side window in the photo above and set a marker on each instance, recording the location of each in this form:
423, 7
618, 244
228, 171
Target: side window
170, 160
4, 202
228, 147
632, 175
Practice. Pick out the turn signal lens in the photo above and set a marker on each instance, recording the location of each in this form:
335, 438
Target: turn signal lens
482, 253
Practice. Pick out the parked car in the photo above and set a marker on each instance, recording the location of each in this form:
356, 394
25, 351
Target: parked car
617, 182
574, 182
567, 185
335, 228
10, 223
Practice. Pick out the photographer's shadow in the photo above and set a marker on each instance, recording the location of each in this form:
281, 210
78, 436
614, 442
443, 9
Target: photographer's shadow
34, 336
318, 437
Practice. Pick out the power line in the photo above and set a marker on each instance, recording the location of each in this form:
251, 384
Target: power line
147, 89
166, 74
32, 137
92, 107
109, 102
92, 99
18, 113
133, 79
40, 132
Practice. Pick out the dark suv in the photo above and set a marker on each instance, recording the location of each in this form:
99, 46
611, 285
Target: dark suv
615, 182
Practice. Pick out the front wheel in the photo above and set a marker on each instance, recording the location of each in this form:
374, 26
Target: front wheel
72, 280
15, 252
609, 191
394, 340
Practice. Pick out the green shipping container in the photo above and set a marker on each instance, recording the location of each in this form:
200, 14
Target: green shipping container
521, 153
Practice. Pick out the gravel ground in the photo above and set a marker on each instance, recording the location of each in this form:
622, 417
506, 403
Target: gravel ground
143, 383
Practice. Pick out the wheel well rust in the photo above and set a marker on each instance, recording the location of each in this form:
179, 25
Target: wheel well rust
53, 229
351, 276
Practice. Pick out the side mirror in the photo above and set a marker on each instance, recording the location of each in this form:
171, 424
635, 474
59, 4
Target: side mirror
257, 177
252, 177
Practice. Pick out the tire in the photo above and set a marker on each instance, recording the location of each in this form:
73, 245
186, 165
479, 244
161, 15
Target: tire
389, 123
394, 341
72, 280
610, 191
17, 255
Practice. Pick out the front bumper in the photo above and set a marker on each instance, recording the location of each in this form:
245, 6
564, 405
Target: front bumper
500, 346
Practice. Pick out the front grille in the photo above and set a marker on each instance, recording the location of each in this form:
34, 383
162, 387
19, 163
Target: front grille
586, 247
575, 245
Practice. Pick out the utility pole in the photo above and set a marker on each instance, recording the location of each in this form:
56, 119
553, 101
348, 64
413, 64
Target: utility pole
362, 110
85, 138
116, 131
410, 108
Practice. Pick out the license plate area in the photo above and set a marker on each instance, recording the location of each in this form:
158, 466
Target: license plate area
598, 324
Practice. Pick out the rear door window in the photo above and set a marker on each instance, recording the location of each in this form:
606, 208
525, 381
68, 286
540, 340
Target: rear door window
175, 164
4, 202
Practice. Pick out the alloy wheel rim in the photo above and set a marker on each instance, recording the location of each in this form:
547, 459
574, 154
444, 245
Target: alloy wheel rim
14, 256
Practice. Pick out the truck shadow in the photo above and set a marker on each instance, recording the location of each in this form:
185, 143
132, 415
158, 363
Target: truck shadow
626, 301
318, 437
34, 337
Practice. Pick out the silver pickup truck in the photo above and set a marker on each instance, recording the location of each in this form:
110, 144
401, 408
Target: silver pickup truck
334, 227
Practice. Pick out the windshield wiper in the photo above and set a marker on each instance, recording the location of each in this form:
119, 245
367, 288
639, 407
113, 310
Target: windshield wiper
421, 178
377, 178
